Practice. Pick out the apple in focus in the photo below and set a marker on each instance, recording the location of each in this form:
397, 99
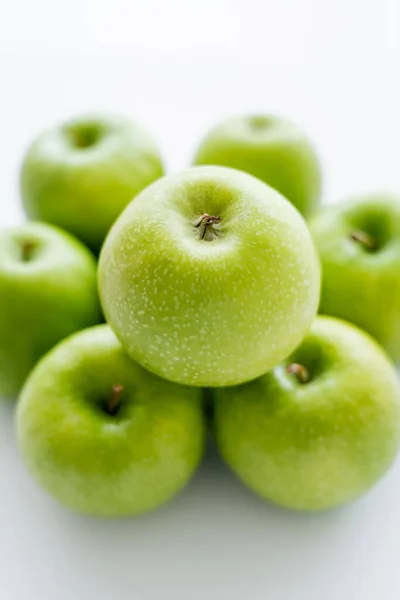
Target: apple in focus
104, 436
48, 290
318, 430
82, 173
271, 148
209, 277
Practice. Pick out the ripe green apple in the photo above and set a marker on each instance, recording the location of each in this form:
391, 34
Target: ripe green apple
359, 246
48, 290
104, 436
81, 174
209, 277
271, 148
321, 428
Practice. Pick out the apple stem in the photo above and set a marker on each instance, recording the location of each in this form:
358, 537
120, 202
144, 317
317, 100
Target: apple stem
82, 137
364, 238
210, 225
78, 140
114, 401
299, 371
27, 251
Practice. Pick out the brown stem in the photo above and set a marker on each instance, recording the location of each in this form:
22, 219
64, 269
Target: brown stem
299, 371
364, 238
209, 223
114, 401
79, 141
82, 137
27, 251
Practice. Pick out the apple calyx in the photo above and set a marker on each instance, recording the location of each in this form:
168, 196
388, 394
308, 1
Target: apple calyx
300, 372
210, 226
364, 238
82, 137
114, 401
27, 250
259, 122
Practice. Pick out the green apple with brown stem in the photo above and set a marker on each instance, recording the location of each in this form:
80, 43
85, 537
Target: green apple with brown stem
209, 277
104, 436
359, 245
321, 428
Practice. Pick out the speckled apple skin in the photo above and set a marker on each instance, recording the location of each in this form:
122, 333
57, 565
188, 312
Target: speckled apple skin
271, 148
317, 445
360, 286
102, 464
209, 313
42, 300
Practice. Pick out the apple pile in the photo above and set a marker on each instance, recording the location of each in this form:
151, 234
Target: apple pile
210, 283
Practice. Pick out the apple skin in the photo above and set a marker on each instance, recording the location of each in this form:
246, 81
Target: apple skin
81, 174
316, 445
99, 463
271, 148
44, 298
361, 285
214, 311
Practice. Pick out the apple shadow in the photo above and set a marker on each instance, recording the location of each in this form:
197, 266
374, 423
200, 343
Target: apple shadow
215, 529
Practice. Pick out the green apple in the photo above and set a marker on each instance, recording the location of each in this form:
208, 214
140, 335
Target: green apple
359, 245
321, 428
81, 174
48, 290
209, 277
104, 436
270, 148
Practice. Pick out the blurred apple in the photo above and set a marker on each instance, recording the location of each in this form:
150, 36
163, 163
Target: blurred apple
359, 246
48, 290
271, 148
81, 174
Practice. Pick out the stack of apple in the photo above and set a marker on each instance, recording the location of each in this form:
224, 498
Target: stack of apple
210, 283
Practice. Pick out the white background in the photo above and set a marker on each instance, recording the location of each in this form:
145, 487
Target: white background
177, 67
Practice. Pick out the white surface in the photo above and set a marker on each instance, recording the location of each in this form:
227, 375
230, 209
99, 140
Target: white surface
178, 67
